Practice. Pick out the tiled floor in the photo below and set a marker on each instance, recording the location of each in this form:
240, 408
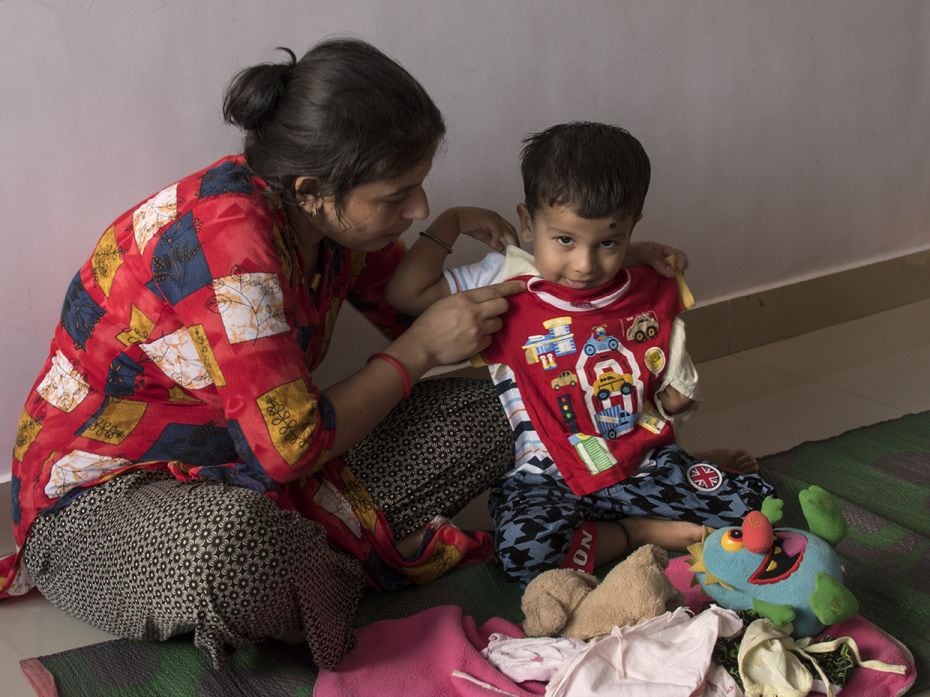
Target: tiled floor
765, 400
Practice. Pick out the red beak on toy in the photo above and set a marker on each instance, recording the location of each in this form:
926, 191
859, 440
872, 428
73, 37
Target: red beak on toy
757, 532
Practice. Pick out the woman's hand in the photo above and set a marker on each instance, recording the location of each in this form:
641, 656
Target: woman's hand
653, 254
455, 328
482, 224
448, 332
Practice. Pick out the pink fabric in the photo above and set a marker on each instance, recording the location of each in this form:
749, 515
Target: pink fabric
874, 645
416, 656
38, 676
681, 577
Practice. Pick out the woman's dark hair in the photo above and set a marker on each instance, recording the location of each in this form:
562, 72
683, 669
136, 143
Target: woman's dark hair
596, 169
344, 112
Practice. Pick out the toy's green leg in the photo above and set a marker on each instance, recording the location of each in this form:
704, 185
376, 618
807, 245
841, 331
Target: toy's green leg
823, 516
771, 509
831, 601
779, 614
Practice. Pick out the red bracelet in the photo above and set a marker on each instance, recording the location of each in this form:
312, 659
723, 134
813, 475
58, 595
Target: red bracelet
398, 366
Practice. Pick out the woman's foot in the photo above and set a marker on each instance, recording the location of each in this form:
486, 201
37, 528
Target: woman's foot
730, 459
412, 546
407, 546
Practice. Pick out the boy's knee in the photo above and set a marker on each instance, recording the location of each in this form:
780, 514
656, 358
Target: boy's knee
523, 559
523, 571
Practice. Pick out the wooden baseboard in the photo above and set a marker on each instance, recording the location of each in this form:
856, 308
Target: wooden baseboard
752, 320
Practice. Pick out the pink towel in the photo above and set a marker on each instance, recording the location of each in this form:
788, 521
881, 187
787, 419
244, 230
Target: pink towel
425, 655
875, 644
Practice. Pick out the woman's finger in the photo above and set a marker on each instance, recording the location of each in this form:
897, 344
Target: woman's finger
651, 254
495, 291
679, 259
492, 325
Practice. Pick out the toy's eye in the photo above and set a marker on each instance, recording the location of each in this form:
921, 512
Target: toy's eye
732, 541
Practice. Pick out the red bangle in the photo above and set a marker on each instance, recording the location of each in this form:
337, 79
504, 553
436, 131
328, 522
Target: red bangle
398, 366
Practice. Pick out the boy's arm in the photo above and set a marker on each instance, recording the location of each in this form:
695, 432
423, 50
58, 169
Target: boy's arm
679, 387
418, 281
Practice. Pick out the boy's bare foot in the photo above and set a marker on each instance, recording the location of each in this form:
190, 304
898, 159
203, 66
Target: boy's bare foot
669, 534
730, 459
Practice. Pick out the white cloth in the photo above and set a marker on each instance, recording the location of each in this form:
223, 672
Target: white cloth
530, 658
767, 665
667, 656
770, 665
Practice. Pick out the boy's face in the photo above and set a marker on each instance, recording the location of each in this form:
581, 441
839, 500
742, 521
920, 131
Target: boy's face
573, 251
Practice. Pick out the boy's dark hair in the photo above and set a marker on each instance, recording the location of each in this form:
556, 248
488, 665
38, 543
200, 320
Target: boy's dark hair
344, 112
598, 170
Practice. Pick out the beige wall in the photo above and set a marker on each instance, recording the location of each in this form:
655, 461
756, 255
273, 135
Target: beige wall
788, 139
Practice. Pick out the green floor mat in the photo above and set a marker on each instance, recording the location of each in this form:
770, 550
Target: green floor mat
880, 474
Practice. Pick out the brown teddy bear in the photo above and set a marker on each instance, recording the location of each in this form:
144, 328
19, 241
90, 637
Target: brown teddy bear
571, 603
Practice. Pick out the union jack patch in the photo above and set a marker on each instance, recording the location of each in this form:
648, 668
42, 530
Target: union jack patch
705, 477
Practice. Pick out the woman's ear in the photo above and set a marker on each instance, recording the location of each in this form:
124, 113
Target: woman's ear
307, 192
526, 222
307, 187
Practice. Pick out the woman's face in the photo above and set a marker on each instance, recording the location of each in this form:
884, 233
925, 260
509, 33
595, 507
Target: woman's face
377, 213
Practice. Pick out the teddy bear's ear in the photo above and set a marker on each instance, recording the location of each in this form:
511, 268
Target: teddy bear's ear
546, 614
550, 599
649, 555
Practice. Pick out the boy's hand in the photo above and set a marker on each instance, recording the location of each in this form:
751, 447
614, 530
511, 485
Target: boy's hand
673, 401
653, 254
482, 224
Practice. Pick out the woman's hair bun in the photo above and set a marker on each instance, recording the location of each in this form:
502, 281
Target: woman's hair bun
253, 92
344, 113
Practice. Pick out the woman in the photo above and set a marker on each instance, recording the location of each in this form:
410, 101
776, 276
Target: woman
176, 469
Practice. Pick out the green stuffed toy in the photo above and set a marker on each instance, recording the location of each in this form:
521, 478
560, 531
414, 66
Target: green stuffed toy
784, 574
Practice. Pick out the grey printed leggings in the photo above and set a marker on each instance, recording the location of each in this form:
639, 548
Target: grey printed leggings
144, 556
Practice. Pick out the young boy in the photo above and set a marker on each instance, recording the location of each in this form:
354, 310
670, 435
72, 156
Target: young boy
590, 366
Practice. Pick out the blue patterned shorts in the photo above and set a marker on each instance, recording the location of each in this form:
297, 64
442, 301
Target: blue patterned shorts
536, 515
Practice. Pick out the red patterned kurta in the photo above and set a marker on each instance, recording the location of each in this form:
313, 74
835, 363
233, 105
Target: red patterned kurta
186, 344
